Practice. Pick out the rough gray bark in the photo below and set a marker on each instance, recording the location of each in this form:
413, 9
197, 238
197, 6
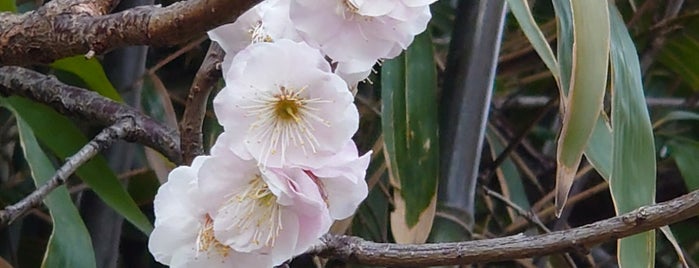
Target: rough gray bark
124, 68
357, 250
195, 107
89, 106
102, 141
60, 29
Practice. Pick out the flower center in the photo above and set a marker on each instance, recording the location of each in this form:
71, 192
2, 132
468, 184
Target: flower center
284, 118
350, 6
257, 218
259, 34
206, 240
287, 106
347, 9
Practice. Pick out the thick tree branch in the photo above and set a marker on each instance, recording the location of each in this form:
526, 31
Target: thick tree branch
357, 250
103, 140
51, 33
195, 109
89, 106
90, 7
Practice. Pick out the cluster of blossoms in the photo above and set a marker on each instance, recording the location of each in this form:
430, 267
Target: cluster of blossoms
285, 166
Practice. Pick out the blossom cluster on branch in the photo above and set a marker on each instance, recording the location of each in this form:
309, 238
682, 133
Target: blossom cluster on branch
285, 166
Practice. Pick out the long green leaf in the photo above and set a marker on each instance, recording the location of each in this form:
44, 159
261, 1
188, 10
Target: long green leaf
64, 139
599, 149
91, 72
521, 11
675, 116
680, 55
686, 155
564, 16
586, 94
510, 179
69, 244
632, 182
8, 5
409, 122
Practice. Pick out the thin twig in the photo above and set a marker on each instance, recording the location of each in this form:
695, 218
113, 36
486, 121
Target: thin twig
357, 250
488, 173
195, 108
531, 217
89, 106
658, 41
548, 212
103, 140
522, 212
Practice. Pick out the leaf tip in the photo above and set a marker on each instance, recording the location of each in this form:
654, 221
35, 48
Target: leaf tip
564, 181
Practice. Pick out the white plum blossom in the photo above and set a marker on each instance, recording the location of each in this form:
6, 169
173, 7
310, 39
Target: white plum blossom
183, 234
342, 182
359, 32
265, 22
283, 106
285, 166
278, 213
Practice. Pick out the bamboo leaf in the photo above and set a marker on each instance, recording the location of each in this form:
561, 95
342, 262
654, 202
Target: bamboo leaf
680, 55
632, 183
8, 5
586, 94
675, 116
64, 139
69, 244
91, 72
507, 173
520, 9
409, 123
599, 149
564, 16
686, 155
675, 245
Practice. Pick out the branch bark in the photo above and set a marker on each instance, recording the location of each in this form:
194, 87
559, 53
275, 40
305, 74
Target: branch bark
195, 107
357, 250
89, 106
102, 141
53, 32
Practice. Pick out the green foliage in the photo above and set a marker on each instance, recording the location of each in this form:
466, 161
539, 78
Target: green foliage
632, 181
409, 122
686, 155
617, 140
69, 244
8, 5
586, 94
61, 136
91, 72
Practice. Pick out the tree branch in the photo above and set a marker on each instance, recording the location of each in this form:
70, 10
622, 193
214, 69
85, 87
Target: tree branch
103, 140
195, 107
89, 106
52, 32
357, 250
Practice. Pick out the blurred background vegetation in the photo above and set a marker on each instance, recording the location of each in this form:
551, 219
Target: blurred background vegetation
497, 132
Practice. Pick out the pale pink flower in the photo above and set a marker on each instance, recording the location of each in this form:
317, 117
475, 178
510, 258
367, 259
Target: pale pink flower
283, 106
342, 182
274, 212
183, 234
362, 31
266, 22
